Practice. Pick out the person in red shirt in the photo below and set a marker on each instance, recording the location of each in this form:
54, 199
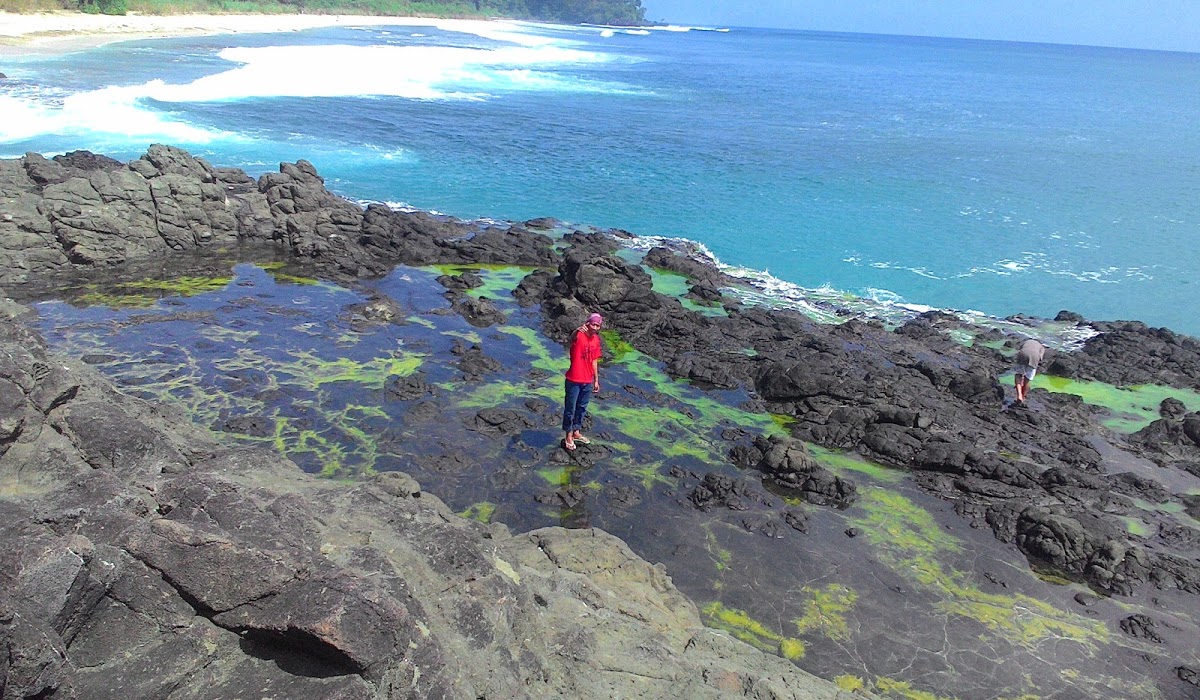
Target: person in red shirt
582, 380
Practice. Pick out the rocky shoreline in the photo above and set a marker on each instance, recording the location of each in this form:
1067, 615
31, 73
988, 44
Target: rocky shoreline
1049, 478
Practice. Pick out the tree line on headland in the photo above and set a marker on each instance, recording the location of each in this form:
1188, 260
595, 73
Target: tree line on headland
617, 12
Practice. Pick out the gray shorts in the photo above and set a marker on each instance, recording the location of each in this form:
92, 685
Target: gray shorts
1029, 372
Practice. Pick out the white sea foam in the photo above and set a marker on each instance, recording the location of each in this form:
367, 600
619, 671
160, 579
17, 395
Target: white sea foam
827, 304
109, 111
523, 62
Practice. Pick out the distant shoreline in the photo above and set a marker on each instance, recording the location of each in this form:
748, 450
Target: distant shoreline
66, 32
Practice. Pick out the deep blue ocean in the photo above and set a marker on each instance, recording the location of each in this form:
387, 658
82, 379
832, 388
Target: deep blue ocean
999, 177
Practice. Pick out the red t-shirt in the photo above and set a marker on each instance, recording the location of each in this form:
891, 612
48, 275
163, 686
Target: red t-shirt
585, 349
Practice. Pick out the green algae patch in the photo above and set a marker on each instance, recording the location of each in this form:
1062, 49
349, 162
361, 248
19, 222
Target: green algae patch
721, 556
618, 349
1137, 526
555, 476
783, 422
791, 649
537, 347
838, 462
908, 540
1134, 407
751, 631
892, 688
143, 294
825, 611
481, 512
275, 270
499, 393
673, 284
469, 336
422, 321
499, 281
848, 683
310, 371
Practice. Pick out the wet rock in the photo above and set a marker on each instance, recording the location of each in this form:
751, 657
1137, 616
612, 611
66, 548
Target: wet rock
1141, 627
718, 490
796, 519
473, 363
1172, 408
409, 388
480, 313
1188, 675
543, 223
501, 421
787, 463
1064, 543
461, 282
567, 497
254, 426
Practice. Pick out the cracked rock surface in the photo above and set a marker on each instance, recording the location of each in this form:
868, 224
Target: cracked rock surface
144, 560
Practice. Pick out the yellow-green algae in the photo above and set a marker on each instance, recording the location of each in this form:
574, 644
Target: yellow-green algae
673, 284
469, 336
1134, 407
617, 348
721, 556
499, 281
825, 611
275, 270
537, 347
903, 689
741, 625
341, 448
1136, 526
837, 462
482, 511
848, 683
555, 476
907, 539
143, 294
674, 432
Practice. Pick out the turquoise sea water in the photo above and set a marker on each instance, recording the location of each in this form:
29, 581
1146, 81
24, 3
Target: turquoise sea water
1001, 177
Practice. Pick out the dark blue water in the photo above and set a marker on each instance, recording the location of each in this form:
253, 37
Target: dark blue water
993, 176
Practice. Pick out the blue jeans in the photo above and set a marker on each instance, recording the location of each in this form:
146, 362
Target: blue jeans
575, 405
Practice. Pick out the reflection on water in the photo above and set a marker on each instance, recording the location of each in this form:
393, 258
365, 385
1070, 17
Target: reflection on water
893, 594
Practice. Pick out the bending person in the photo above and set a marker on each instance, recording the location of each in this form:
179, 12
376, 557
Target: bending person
1028, 358
582, 380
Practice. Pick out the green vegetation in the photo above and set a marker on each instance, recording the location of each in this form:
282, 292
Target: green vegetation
751, 631
1134, 407
673, 284
908, 540
143, 294
499, 281
825, 611
481, 512
618, 12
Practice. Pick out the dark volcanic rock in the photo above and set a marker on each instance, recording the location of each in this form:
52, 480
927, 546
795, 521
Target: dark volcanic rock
143, 559
786, 463
1140, 627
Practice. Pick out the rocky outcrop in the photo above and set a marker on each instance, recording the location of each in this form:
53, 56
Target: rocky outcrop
83, 211
143, 560
1038, 476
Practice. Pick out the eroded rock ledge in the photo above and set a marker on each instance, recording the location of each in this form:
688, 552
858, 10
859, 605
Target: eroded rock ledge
143, 560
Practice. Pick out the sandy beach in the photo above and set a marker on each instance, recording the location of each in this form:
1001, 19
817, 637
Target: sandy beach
52, 33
